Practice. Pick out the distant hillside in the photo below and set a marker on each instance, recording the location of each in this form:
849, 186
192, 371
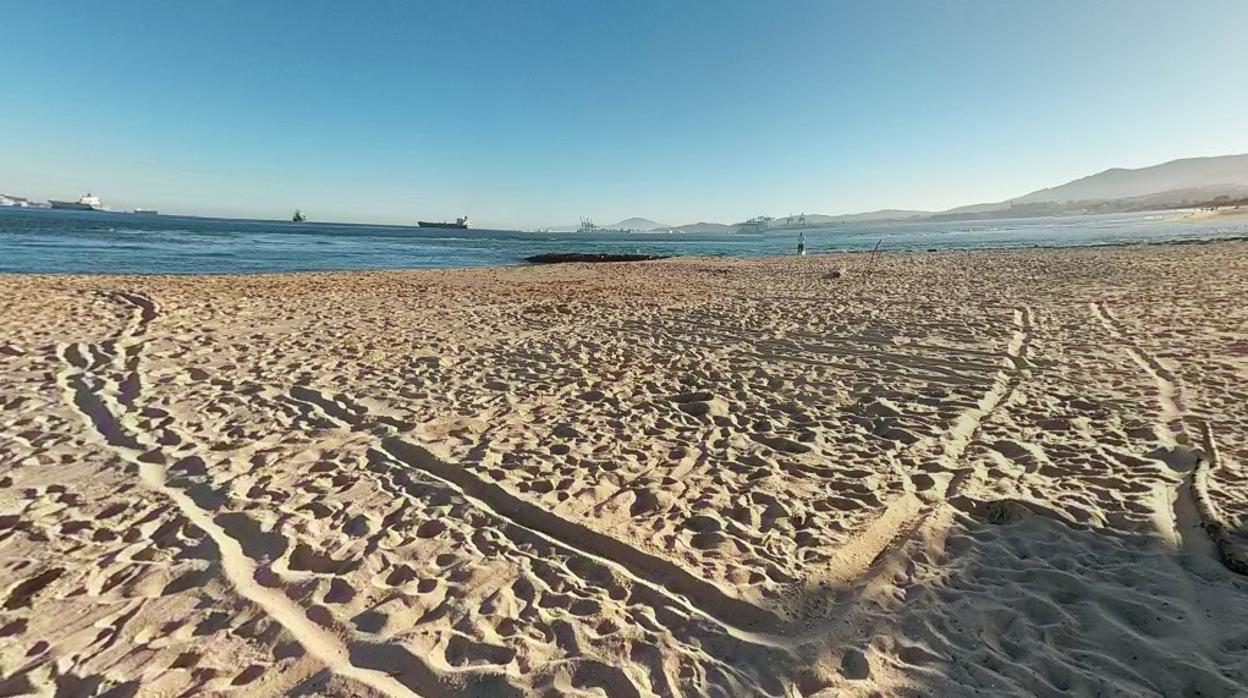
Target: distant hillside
1188, 182
972, 209
1178, 183
886, 214
704, 228
1223, 172
642, 224
811, 220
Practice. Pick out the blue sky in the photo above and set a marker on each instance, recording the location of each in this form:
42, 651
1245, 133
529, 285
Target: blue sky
527, 113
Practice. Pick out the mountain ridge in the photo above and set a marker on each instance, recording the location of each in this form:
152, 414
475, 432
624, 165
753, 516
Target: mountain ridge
1175, 183
1124, 183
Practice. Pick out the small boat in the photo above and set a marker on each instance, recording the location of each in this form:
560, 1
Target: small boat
461, 223
146, 212
298, 216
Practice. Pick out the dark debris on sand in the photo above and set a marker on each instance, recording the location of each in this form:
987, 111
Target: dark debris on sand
563, 257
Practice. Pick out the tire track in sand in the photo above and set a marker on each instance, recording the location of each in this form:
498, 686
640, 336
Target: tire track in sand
919, 505
1192, 522
740, 619
1004, 382
1170, 397
1232, 549
662, 581
101, 412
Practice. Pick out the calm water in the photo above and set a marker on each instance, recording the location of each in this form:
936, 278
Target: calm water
96, 242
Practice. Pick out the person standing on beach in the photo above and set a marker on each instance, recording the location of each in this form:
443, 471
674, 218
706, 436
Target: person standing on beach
801, 244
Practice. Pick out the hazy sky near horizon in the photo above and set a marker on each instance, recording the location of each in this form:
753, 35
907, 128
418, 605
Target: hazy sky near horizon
532, 113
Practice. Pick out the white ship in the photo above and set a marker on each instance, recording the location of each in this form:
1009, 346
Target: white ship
86, 202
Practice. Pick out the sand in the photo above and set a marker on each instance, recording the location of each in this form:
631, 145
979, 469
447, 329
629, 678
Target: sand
993, 473
1225, 213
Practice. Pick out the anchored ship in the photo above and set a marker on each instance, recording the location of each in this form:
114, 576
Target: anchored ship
86, 202
461, 223
298, 216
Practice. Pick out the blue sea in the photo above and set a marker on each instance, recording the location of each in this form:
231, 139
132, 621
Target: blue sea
91, 242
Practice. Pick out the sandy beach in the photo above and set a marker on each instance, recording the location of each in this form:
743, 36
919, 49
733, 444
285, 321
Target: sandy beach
1220, 214
990, 473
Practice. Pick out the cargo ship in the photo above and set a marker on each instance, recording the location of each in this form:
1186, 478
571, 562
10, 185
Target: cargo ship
461, 223
86, 202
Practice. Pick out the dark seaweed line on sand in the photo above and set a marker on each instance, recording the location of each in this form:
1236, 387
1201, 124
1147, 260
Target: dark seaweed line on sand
564, 257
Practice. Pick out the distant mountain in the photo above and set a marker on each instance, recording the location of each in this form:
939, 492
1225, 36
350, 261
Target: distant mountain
973, 209
1174, 184
810, 220
1226, 172
704, 228
645, 225
885, 214
642, 224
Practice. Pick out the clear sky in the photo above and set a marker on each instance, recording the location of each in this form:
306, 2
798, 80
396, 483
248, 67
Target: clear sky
528, 113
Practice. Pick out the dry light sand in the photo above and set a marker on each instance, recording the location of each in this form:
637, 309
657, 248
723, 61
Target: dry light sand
992, 473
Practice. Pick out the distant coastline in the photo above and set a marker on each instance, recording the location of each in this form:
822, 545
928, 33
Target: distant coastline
1185, 211
1214, 183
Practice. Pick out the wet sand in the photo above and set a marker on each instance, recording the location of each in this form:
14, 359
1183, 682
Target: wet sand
1010, 472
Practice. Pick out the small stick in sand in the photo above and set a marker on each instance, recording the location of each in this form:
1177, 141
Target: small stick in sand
871, 260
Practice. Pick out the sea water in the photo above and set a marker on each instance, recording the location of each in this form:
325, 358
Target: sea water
97, 242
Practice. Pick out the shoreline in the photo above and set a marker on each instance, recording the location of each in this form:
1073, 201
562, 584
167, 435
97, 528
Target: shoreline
522, 264
1218, 214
